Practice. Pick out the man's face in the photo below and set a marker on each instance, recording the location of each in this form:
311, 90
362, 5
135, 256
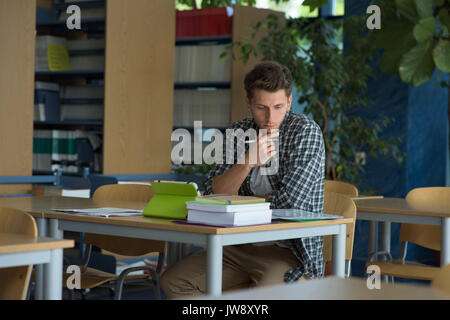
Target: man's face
269, 108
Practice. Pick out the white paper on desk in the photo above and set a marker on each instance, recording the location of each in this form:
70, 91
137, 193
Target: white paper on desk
297, 214
103, 212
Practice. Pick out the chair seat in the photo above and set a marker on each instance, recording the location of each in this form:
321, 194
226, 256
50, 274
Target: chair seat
406, 269
92, 278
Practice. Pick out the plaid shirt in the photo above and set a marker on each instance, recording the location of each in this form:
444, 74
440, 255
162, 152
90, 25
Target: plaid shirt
298, 183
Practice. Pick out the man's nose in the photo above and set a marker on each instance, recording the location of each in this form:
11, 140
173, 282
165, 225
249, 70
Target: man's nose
269, 114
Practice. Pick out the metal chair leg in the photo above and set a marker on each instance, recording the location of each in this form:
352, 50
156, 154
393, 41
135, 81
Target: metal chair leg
123, 275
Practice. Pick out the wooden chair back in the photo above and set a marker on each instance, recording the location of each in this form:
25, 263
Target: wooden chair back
124, 245
14, 281
341, 187
441, 281
339, 204
426, 198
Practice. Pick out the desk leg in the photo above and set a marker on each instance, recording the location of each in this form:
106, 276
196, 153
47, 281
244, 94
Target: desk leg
214, 265
53, 229
385, 244
53, 270
173, 253
53, 276
39, 268
445, 242
373, 237
338, 260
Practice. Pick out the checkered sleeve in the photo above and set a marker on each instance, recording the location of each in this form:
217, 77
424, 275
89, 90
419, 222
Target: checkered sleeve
229, 156
302, 188
305, 168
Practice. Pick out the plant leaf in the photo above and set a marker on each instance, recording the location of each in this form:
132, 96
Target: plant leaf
313, 4
441, 55
417, 65
425, 29
444, 19
396, 39
407, 8
424, 8
395, 35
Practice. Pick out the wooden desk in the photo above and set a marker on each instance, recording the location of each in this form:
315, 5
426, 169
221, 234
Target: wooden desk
20, 250
213, 238
333, 288
389, 210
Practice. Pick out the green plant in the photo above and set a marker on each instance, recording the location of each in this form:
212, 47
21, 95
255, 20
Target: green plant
415, 38
332, 83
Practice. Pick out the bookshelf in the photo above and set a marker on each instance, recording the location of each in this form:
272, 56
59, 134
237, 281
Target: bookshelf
216, 103
138, 92
242, 19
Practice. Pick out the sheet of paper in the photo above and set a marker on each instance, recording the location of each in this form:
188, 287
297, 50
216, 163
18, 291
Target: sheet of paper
297, 214
103, 212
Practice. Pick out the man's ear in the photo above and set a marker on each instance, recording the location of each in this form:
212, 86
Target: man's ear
289, 102
247, 103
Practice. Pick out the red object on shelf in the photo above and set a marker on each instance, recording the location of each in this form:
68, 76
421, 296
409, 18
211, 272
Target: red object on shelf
205, 22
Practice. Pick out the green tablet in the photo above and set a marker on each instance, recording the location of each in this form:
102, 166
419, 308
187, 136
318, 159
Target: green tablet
169, 199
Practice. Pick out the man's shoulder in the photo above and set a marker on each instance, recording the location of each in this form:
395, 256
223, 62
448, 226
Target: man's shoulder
298, 122
245, 123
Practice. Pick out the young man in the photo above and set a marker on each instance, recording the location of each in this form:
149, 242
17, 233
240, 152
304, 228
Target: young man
297, 182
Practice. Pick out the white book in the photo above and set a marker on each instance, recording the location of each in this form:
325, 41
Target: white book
86, 44
244, 218
82, 92
228, 208
88, 62
76, 193
81, 112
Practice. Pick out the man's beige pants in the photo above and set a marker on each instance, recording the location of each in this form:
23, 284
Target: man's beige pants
258, 265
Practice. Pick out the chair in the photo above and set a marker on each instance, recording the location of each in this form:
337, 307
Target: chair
441, 281
341, 187
350, 191
422, 235
14, 281
339, 204
336, 204
121, 245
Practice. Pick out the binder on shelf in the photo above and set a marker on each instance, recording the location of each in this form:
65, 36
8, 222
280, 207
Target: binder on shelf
51, 54
169, 199
81, 112
201, 64
88, 62
212, 107
46, 101
82, 92
205, 22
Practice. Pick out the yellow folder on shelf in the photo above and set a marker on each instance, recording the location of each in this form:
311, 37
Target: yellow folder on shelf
169, 199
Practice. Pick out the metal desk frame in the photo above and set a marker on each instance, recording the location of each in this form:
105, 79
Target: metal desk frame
213, 242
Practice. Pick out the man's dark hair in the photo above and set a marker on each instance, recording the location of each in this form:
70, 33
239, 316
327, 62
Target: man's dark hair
270, 76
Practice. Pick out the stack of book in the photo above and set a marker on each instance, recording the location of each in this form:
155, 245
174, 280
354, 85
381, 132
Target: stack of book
212, 107
228, 210
201, 64
206, 22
